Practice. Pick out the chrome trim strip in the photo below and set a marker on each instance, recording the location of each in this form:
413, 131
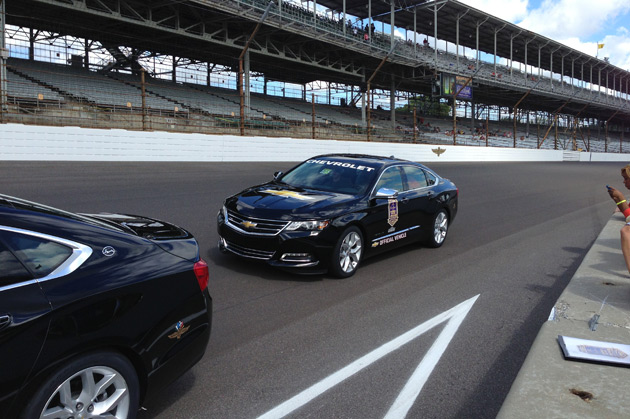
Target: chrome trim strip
18, 285
80, 253
248, 252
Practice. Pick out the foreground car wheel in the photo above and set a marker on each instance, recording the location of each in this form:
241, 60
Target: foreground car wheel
439, 229
95, 385
347, 253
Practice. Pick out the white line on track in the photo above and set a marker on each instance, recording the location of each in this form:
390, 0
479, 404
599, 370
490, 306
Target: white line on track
410, 392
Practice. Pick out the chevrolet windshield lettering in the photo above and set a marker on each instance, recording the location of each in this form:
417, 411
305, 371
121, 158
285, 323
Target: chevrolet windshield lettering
330, 212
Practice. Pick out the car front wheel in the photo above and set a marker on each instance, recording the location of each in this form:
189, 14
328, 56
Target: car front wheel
439, 229
347, 253
96, 385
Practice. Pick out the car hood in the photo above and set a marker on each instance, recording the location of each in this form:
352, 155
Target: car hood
283, 202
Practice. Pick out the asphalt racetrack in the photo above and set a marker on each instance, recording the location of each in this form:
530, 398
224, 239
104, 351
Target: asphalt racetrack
521, 232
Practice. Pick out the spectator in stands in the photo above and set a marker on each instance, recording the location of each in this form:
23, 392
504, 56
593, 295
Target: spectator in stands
425, 42
622, 205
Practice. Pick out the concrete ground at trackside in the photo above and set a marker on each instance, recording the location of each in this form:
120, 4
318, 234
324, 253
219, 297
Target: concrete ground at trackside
550, 386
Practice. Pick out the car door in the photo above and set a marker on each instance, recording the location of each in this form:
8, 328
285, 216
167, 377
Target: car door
388, 221
420, 198
23, 321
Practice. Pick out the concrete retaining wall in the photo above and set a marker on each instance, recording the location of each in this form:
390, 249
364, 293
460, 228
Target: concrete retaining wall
31, 142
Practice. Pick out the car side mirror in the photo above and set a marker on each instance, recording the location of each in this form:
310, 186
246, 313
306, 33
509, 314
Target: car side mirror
276, 175
386, 193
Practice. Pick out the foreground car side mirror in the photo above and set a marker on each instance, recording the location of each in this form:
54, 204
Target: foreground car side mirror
276, 175
386, 193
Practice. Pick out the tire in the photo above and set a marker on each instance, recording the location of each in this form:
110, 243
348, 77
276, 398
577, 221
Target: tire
439, 229
347, 253
77, 389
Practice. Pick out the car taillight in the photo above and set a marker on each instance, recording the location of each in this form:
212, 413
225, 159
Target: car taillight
202, 273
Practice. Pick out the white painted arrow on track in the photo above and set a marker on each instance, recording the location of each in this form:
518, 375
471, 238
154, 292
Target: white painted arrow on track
455, 316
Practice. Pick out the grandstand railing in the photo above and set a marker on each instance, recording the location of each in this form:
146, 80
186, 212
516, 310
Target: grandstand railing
52, 94
352, 36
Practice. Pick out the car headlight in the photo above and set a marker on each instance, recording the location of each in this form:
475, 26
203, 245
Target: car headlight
307, 225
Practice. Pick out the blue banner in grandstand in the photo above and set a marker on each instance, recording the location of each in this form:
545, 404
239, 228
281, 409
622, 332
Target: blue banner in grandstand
452, 84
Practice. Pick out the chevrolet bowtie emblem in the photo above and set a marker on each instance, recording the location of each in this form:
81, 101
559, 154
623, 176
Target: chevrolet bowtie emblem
248, 224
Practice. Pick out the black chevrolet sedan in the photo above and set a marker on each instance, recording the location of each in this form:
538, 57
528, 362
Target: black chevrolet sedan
331, 211
96, 311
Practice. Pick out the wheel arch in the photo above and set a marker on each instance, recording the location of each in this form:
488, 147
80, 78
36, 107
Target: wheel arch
35, 381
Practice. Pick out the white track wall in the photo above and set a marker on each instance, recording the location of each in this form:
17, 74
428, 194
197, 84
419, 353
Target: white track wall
29, 142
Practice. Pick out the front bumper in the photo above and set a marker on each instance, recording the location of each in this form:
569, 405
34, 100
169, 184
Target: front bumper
294, 250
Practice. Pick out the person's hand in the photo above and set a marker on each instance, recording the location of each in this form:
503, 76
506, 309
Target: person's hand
615, 194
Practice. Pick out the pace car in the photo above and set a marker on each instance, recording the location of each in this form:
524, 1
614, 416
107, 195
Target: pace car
332, 211
97, 311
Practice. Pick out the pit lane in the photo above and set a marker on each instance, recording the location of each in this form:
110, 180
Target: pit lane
521, 232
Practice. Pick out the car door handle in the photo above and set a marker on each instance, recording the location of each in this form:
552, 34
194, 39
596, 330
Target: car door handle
404, 200
5, 320
430, 194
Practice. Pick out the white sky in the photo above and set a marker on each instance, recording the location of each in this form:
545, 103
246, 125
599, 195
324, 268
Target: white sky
579, 24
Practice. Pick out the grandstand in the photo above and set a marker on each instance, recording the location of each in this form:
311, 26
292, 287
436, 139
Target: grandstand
174, 66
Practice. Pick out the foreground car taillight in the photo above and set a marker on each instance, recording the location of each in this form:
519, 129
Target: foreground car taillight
202, 273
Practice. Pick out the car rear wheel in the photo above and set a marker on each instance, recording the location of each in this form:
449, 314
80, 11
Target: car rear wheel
439, 229
347, 253
101, 384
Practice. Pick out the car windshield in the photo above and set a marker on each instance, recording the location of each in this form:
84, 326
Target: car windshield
332, 175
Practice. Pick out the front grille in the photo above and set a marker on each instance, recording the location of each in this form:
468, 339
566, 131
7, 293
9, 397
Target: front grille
255, 226
248, 252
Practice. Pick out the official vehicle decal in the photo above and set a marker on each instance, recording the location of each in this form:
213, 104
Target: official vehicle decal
289, 194
392, 237
180, 329
392, 212
341, 164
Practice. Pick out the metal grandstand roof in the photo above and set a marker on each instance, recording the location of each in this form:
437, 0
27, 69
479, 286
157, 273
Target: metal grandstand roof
511, 40
289, 48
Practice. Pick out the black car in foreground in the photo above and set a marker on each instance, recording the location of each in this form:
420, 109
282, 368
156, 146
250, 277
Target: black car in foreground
331, 211
96, 311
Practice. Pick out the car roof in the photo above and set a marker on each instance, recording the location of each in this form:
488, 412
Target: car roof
367, 158
45, 217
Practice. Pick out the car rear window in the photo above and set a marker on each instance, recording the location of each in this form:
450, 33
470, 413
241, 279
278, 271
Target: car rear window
40, 255
12, 271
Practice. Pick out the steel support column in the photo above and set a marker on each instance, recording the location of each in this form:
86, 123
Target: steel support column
392, 22
435, 32
240, 67
4, 55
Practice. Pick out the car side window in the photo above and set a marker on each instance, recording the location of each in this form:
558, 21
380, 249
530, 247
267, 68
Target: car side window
391, 179
431, 179
40, 255
416, 177
12, 271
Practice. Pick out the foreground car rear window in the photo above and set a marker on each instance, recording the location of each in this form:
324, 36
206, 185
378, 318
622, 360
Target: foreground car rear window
40, 255
12, 271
